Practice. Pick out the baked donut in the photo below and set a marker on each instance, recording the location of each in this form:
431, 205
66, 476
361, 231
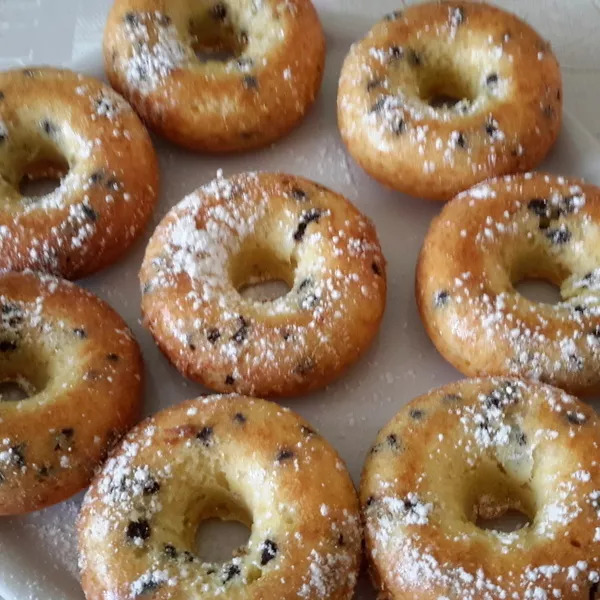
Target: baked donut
56, 123
252, 228
484, 242
443, 95
477, 449
216, 76
80, 374
232, 458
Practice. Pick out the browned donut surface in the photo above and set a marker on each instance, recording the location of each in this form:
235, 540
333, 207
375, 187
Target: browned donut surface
251, 228
232, 458
80, 371
485, 241
443, 95
61, 124
216, 75
475, 450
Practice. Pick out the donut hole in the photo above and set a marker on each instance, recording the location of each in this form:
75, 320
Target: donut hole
217, 540
539, 290
260, 275
42, 176
16, 390
213, 35
506, 522
445, 87
23, 373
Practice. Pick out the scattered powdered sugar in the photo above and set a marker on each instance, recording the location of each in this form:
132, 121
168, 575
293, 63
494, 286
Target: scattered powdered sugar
156, 50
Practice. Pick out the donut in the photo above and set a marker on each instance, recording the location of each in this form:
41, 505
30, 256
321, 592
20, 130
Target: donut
236, 459
484, 242
252, 228
444, 95
216, 76
59, 124
477, 449
80, 375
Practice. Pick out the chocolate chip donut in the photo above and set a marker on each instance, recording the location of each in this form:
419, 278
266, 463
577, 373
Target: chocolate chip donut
477, 449
232, 458
79, 373
443, 95
482, 244
216, 76
56, 123
248, 229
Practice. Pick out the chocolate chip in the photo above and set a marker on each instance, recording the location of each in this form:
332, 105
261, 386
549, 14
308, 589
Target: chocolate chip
230, 572
242, 333
132, 19
244, 62
112, 357
373, 84
285, 454
311, 216
461, 141
417, 414
43, 471
96, 177
48, 127
392, 441
441, 299
139, 530
538, 206
370, 501
414, 58
268, 552
594, 591
340, 541
398, 126
492, 79
205, 435
376, 268
148, 586
219, 12
379, 104
521, 438
8, 346
90, 213
559, 236
307, 431
396, 52
17, 455
189, 557
250, 82
299, 194
229, 380
80, 333
213, 335
576, 418
491, 128
151, 487
170, 550
239, 418
307, 297
393, 16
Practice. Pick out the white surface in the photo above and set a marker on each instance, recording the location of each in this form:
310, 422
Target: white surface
37, 552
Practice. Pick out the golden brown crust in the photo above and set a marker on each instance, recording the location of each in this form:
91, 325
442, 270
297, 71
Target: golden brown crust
56, 118
508, 73
483, 243
85, 371
477, 448
238, 104
220, 238
228, 457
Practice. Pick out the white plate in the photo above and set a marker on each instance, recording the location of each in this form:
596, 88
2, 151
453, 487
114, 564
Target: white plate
38, 552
